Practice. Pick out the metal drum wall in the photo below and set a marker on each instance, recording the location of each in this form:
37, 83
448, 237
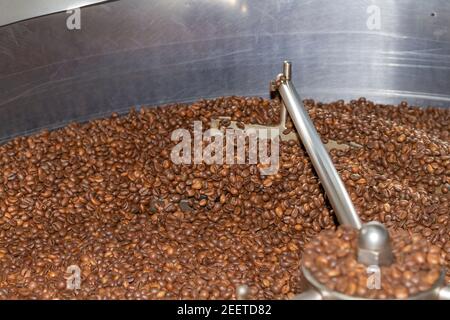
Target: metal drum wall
139, 52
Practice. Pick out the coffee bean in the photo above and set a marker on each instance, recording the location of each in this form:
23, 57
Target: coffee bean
197, 184
105, 196
410, 273
401, 292
401, 138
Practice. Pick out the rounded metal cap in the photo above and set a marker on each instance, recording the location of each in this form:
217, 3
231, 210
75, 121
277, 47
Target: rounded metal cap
242, 292
287, 70
374, 245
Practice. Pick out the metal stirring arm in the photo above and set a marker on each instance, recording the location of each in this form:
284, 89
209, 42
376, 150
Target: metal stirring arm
329, 177
374, 243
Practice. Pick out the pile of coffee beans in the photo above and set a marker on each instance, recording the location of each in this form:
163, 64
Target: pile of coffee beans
331, 259
104, 198
399, 171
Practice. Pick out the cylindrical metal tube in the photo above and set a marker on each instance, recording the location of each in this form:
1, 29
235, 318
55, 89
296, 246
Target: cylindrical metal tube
329, 177
287, 70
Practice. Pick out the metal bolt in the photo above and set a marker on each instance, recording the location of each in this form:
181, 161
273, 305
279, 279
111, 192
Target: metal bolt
287, 70
374, 245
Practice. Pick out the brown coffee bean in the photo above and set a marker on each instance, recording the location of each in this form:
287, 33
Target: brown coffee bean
279, 211
332, 264
105, 195
401, 292
197, 184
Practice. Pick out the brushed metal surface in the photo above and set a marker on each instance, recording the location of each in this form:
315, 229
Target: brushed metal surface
18, 10
138, 52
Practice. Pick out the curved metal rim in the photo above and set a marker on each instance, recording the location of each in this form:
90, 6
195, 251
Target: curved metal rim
20, 10
326, 293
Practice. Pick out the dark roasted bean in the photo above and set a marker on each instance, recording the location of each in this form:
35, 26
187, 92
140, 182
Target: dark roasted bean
106, 197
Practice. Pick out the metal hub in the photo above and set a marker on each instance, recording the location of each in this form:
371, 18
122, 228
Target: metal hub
374, 245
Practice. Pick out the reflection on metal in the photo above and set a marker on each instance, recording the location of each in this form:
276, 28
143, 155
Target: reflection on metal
261, 130
310, 294
374, 245
137, 52
444, 293
17, 10
323, 165
242, 292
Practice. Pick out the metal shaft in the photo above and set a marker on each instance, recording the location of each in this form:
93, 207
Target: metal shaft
329, 177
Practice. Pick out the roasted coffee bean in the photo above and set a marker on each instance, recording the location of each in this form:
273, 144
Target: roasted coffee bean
332, 258
106, 197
